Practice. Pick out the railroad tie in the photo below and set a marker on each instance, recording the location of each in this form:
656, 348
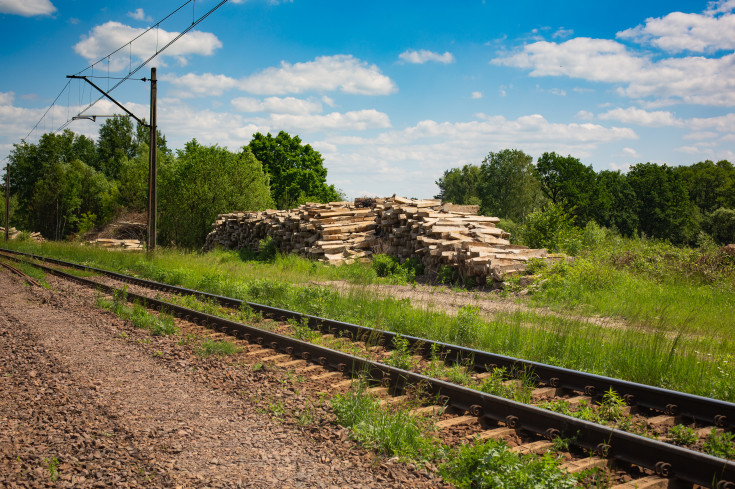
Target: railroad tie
651, 482
576, 466
497, 434
456, 421
537, 447
428, 410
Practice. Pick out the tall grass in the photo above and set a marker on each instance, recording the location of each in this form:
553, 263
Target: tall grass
665, 350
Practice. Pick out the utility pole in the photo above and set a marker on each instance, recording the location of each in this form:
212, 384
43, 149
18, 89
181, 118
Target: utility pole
152, 153
7, 200
153, 168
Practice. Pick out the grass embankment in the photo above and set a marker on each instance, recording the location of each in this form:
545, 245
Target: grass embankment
676, 311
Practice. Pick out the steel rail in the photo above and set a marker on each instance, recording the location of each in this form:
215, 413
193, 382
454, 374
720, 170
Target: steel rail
665, 459
690, 406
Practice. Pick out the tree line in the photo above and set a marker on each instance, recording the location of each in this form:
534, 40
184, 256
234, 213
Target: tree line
67, 183
654, 200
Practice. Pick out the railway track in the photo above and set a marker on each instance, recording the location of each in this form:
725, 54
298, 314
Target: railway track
672, 464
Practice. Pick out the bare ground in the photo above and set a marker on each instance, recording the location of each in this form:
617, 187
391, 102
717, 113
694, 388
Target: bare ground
90, 401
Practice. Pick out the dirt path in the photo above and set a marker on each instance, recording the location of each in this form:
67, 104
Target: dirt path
89, 400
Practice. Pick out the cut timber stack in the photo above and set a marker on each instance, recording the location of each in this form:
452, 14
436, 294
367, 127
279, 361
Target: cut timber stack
125, 244
439, 235
14, 234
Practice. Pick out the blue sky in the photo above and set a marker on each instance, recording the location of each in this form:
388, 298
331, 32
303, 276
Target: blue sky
392, 93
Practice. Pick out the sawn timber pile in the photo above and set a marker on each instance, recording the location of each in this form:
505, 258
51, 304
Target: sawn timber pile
437, 234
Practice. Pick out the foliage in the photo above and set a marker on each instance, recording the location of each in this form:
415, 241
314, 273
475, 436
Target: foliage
721, 225
567, 182
297, 173
664, 209
720, 444
460, 185
217, 348
490, 465
711, 185
391, 267
682, 435
115, 143
401, 355
509, 187
389, 431
551, 228
203, 182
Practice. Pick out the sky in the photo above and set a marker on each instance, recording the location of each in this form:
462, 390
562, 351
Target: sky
391, 94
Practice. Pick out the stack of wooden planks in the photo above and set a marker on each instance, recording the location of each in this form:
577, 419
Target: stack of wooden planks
125, 244
439, 235
14, 233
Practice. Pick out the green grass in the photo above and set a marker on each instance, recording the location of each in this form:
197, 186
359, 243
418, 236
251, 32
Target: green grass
217, 348
659, 344
391, 432
161, 325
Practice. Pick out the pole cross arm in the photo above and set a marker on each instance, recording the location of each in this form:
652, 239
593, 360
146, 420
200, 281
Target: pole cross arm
77, 77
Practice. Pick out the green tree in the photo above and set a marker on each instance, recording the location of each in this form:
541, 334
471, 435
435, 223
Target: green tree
615, 205
204, 181
566, 181
117, 140
721, 225
711, 185
664, 208
460, 185
297, 172
508, 186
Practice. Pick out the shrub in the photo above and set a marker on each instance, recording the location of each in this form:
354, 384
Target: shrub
551, 228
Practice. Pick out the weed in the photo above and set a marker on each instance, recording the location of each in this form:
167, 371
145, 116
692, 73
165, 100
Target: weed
302, 331
389, 431
189, 338
158, 353
52, 465
611, 407
682, 435
277, 408
401, 356
720, 444
218, 348
490, 465
257, 366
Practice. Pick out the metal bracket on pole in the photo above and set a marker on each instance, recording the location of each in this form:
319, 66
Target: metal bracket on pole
152, 151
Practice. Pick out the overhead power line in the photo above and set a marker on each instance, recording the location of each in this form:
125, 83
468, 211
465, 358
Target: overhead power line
132, 71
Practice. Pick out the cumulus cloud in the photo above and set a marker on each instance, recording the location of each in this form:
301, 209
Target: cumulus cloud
424, 56
105, 38
27, 8
476, 95
139, 14
633, 115
7, 98
341, 72
695, 80
676, 32
277, 105
358, 120
206, 84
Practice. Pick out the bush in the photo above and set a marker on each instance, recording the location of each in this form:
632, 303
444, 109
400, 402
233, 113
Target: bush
721, 225
391, 267
551, 228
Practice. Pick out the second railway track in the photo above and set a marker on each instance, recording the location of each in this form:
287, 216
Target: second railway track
678, 464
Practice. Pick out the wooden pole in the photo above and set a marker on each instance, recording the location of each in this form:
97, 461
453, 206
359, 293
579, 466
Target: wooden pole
7, 200
153, 168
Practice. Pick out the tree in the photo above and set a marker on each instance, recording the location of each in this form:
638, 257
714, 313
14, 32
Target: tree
297, 172
711, 185
508, 186
616, 204
566, 181
204, 181
460, 185
116, 141
664, 208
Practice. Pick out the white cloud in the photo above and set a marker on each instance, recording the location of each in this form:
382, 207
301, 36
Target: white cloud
139, 14
694, 80
724, 124
562, 33
206, 84
277, 105
341, 72
585, 115
358, 120
678, 31
27, 8
641, 117
476, 95
697, 136
7, 98
423, 56
105, 38
630, 152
